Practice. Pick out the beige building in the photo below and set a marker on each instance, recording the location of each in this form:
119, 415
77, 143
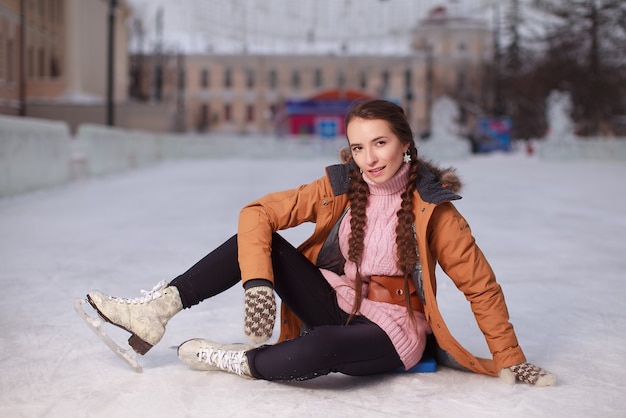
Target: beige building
242, 93
60, 70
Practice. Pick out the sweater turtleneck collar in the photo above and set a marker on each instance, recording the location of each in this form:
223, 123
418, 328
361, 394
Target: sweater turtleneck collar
392, 186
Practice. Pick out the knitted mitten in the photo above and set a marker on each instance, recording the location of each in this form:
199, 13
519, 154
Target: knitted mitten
527, 373
260, 313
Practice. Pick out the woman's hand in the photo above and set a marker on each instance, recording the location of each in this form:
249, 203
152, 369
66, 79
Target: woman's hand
260, 315
527, 373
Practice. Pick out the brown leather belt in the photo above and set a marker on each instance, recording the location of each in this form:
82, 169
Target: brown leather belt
390, 289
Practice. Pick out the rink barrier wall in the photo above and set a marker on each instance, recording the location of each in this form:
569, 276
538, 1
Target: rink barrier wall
37, 154
100, 150
34, 154
601, 149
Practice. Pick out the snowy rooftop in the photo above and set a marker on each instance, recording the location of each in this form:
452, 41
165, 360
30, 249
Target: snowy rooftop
287, 27
554, 233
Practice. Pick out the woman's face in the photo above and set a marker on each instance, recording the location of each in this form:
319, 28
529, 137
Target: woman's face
375, 148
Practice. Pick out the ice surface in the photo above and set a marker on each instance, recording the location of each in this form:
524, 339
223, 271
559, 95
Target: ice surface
554, 233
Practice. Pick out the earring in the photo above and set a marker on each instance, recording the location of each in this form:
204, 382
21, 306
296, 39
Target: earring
406, 157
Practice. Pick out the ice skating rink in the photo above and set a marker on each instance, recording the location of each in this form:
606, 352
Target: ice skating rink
554, 232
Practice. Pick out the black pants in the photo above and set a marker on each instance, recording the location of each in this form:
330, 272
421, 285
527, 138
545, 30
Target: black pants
357, 349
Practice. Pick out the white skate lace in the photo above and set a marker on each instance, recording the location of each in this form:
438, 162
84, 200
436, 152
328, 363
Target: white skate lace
227, 360
147, 295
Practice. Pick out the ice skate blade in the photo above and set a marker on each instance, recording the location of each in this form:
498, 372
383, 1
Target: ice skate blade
95, 323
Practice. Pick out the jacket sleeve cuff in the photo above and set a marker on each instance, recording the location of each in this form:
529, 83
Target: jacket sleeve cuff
257, 282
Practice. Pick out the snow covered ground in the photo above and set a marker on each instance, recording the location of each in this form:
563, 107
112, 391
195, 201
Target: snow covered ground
554, 233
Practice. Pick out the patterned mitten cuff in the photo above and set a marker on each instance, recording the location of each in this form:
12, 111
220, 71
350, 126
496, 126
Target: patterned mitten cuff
260, 314
527, 373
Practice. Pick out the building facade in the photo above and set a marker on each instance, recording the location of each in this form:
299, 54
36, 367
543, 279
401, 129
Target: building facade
53, 58
243, 93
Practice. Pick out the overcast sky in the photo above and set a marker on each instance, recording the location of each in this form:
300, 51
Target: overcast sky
236, 25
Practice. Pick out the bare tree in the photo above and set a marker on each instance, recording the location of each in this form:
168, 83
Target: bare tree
513, 54
522, 95
586, 54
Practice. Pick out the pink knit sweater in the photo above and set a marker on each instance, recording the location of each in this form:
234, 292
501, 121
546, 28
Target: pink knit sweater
379, 258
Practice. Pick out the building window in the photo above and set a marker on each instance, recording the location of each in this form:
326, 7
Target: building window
203, 117
250, 113
249, 79
3, 59
273, 79
228, 112
461, 81
10, 63
182, 79
204, 112
31, 62
318, 79
204, 78
363, 80
55, 71
228, 78
408, 84
295, 80
341, 79
385, 79
42, 63
384, 85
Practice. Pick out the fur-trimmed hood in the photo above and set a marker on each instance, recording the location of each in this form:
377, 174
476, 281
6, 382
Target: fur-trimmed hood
447, 177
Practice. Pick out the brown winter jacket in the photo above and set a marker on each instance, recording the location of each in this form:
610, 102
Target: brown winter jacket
443, 236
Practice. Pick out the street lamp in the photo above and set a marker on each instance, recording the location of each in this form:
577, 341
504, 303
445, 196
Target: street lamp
22, 58
110, 62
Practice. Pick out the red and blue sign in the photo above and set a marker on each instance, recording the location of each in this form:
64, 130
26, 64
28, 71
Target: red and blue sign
493, 134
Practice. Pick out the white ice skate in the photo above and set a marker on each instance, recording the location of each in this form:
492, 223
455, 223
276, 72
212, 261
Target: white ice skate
96, 324
205, 355
143, 317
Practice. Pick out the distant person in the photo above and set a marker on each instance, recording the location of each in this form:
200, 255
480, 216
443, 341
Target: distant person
358, 296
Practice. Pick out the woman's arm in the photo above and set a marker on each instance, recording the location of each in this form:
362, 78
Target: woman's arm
271, 213
459, 256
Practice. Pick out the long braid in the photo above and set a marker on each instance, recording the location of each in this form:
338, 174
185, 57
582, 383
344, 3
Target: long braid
405, 236
357, 194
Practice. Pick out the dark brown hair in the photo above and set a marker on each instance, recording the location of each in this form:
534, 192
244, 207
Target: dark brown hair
405, 238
